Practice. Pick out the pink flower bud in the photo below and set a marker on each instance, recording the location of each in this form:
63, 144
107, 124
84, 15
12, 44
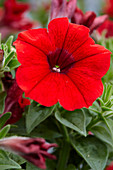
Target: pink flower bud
62, 8
35, 150
88, 19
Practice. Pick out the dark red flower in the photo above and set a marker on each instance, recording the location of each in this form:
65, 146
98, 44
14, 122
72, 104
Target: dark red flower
34, 150
14, 103
61, 64
110, 167
108, 27
88, 19
108, 9
62, 8
7, 80
12, 18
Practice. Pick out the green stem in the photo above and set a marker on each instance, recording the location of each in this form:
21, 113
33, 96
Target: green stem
109, 115
64, 151
64, 155
65, 133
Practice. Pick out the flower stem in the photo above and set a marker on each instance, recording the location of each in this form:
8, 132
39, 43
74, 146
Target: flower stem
65, 150
64, 155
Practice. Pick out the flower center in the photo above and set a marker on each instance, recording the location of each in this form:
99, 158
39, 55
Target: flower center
60, 61
56, 68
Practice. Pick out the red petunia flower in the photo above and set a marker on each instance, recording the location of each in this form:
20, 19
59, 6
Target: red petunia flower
88, 19
108, 9
34, 150
108, 27
12, 18
62, 64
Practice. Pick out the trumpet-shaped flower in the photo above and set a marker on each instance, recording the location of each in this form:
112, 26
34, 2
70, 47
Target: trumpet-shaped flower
61, 64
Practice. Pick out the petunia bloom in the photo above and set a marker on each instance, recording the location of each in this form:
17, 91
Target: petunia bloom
62, 8
12, 18
108, 27
15, 103
34, 150
61, 64
108, 8
88, 19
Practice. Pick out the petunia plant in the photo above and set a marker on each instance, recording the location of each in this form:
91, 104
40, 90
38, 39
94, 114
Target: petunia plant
56, 91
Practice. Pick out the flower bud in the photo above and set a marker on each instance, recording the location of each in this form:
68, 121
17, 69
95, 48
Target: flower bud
35, 150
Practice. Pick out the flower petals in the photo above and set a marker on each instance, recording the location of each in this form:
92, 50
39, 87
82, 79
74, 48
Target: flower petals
88, 49
69, 95
38, 38
57, 31
94, 66
89, 87
28, 54
47, 90
28, 76
76, 36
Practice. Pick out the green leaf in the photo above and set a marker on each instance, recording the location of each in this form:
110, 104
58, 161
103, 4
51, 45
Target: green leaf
17, 158
6, 69
4, 119
2, 101
4, 131
102, 133
50, 164
107, 92
45, 129
94, 152
36, 115
13, 73
71, 167
20, 128
46, 132
13, 64
30, 166
1, 84
9, 43
95, 107
75, 120
87, 115
9, 57
7, 163
109, 124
